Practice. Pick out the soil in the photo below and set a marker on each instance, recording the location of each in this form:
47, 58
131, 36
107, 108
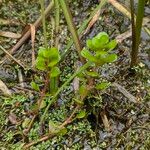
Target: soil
129, 121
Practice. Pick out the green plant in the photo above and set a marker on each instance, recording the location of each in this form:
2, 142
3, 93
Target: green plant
101, 48
136, 29
46, 61
97, 53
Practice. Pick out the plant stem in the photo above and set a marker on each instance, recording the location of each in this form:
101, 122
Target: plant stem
85, 66
54, 81
71, 27
39, 102
43, 22
82, 28
57, 18
138, 27
133, 26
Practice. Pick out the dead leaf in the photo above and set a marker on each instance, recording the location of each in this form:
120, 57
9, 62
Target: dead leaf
32, 40
10, 34
105, 121
4, 89
13, 118
125, 92
93, 20
120, 7
123, 36
9, 22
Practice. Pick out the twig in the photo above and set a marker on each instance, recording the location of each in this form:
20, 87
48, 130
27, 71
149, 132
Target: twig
4, 89
44, 138
120, 7
123, 36
93, 20
39, 104
125, 92
9, 22
69, 120
105, 120
20, 64
20, 77
32, 27
10, 34
28, 33
72, 28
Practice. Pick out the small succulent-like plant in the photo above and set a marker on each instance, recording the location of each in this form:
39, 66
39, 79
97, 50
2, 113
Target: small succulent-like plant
100, 48
98, 52
47, 60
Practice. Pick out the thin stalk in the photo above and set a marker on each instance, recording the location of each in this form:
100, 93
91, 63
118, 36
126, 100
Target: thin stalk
85, 66
71, 26
133, 26
57, 18
82, 28
138, 27
43, 22
54, 81
139, 20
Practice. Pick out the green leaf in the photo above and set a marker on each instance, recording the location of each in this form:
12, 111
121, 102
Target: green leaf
103, 37
86, 54
110, 58
92, 73
83, 90
41, 52
81, 114
97, 43
111, 45
53, 128
62, 131
40, 63
47, 53
54, 58
43, 104
26, 122
89, 44
100, 54
102, 86
78, 101
55, 71
35, 86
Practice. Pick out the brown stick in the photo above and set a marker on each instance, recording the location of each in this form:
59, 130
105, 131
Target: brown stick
13, 58
27, 34
125, 92
39, 102
44, 138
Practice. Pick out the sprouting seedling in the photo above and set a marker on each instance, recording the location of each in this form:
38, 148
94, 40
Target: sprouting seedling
46, 61
98, 51
100, 47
